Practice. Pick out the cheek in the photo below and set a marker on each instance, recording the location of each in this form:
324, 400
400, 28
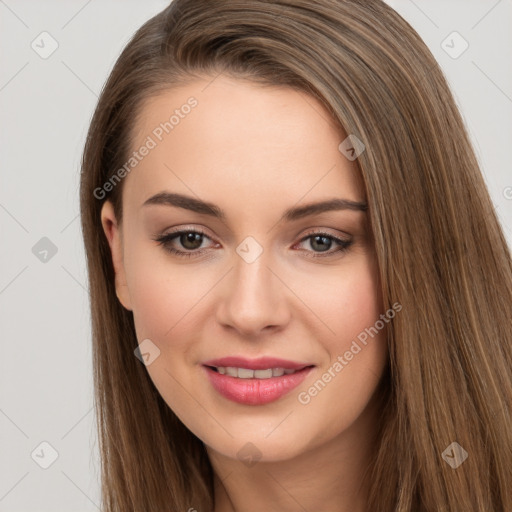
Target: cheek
347, 303
357, 350
162, 298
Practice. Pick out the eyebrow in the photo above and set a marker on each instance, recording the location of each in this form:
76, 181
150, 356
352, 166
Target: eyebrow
295, 213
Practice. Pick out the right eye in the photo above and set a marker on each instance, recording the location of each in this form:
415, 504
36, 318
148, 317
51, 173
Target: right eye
190, 239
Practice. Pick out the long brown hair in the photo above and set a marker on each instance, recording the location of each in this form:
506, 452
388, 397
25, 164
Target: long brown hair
440, 248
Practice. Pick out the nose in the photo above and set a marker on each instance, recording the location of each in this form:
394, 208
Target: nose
253, 299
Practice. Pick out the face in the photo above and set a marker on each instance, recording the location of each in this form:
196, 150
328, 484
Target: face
257, 278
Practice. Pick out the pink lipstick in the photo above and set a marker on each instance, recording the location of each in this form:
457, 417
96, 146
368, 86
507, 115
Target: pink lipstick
255, 381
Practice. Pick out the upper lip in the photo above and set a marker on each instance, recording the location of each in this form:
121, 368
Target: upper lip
261, 363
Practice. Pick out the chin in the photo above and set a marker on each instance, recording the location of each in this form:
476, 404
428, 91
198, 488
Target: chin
257, 445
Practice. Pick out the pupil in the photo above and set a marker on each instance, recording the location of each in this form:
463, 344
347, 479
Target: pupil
324, 240
194, 239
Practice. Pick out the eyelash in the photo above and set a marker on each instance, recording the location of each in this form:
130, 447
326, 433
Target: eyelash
164, 240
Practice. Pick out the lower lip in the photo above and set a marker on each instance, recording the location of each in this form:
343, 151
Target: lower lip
255, 391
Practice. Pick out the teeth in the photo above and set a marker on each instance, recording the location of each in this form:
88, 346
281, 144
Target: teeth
261, 374
246, 373
232, 372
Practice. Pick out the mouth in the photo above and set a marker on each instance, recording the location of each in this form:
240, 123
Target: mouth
255, 382
247, 373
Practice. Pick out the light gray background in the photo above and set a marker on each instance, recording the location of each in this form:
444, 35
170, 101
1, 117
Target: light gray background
45, 108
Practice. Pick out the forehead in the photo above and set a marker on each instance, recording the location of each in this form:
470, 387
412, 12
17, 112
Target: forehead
227, 138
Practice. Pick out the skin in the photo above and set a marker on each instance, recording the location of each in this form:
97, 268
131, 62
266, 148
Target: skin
256, 152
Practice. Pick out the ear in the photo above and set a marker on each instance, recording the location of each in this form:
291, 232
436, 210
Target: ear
114, 236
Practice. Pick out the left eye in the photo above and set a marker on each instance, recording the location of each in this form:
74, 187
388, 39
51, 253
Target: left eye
323, 242
191, 240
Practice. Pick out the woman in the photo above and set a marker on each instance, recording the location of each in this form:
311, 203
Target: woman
300, 291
